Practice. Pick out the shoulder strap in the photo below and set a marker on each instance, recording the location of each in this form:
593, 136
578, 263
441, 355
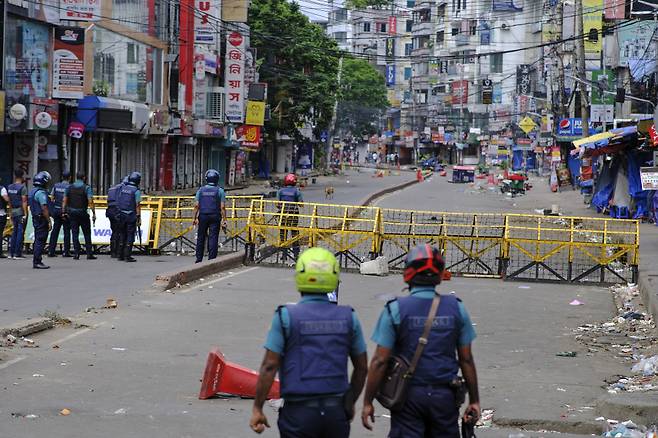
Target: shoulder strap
422, 341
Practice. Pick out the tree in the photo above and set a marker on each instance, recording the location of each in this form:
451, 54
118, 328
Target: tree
298, 61
362, 97
362, 4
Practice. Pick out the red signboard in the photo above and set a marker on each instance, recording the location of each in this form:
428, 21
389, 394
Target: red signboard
392, 25
248, 136
459, 92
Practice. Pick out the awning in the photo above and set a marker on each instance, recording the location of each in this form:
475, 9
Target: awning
616, 137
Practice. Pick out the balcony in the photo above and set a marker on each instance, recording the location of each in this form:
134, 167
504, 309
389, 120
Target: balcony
421, 51
423, 5
422, 28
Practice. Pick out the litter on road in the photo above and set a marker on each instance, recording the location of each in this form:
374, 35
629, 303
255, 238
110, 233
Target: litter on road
576, 303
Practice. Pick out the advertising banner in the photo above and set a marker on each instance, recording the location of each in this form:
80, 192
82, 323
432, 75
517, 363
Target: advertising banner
390, 75
649, 177
523, 83
255, 113
459, 92
637, 41
392, 25
390, 47
206, 21
101, 230
614, 9
606, 82
507, 5
248, 136
80, 10
69, 63
593, 25
234, 77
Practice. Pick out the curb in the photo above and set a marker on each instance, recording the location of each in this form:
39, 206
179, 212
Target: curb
27, 327
169, 280
575, 427
639, 407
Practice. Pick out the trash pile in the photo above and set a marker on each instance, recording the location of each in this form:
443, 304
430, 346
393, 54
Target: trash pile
628, 429
11, 340
630, 336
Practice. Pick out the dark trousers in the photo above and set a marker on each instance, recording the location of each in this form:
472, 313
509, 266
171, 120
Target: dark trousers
16, 242
297, 421
60, 222
127, 227
290, 221
80, 219
3, 224
430, 412
208, 229
115, 238
40, 237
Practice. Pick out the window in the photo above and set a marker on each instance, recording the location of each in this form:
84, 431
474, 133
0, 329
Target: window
366, 26
132, 54
411, 3
440, 38
380, 27
125, 68
408, 26
496, 62
440, 13
455, 31
408, 47
407, 73
340, 14
340, 37
473, 27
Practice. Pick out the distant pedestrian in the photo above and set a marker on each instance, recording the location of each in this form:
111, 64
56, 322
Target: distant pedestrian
128, 203
78, 199
209, 214
112, 214
309, 344
38, 200
441, 347
18, 198
4, 204
60, 220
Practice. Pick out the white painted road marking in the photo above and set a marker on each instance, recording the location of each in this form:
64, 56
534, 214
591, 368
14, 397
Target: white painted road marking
11, 362
216, 280
76, 334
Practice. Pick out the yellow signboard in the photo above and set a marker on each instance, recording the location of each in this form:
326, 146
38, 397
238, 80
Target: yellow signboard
593, 25
527, 124
255, 113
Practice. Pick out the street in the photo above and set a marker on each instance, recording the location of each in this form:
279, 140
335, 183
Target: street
135, 371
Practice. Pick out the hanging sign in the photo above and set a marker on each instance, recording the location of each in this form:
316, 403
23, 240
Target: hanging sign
234, 77
69, 63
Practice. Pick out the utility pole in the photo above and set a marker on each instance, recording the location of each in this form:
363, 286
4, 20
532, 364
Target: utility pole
580, 54
334, 116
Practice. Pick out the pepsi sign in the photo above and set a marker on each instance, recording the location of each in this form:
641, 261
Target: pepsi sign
573, 127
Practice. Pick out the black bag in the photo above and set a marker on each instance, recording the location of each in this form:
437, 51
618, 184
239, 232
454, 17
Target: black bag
392, 392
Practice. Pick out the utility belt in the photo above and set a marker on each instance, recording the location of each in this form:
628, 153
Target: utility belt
317, 402
456, 385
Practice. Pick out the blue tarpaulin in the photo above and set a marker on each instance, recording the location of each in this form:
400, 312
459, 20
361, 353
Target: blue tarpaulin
639, 196
605, 185
517, 159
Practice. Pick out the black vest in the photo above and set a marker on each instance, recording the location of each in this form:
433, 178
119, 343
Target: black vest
78, 197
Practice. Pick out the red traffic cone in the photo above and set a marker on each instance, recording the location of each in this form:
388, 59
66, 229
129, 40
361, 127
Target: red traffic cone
223, 377
419, 175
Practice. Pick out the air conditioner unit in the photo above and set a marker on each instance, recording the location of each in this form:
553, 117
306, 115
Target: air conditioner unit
504, 25
215, 104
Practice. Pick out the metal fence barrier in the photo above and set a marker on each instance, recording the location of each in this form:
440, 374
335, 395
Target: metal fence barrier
507, 246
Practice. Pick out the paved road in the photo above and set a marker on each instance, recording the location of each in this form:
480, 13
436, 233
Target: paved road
136, 372
72, 286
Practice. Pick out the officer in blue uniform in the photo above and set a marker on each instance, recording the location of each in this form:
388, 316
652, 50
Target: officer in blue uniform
209, 213
309, 344
38, 201
290, 193
18, 199
60, 220
4, 203
112, 214
431, 409
78, 198
128, 199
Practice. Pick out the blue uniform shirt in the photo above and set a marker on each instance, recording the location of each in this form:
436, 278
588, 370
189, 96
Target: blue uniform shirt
298, 195
42, 197
220, 194
79, 183
275, 338
384, 333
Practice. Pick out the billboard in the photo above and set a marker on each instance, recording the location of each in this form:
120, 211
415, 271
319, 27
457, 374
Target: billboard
593, 25
459, 92
80, 10
234, 77
637, 41
523, 82
206, 23
69, 63
507, 5
390, 75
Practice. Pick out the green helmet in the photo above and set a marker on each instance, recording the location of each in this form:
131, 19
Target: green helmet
317, 271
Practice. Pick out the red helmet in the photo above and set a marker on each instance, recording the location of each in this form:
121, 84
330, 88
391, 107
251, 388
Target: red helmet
423, 265
290, 180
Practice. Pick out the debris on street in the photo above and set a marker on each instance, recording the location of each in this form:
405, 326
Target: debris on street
64, 412
567, 354
576, 303
486, 418
111, 303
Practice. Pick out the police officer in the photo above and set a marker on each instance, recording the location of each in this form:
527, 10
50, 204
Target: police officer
38, 200
18, 199
78, 198
308, 344
4, 203
128, 198
290, 193
431, 409
60, 220
112, 214
209, 212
